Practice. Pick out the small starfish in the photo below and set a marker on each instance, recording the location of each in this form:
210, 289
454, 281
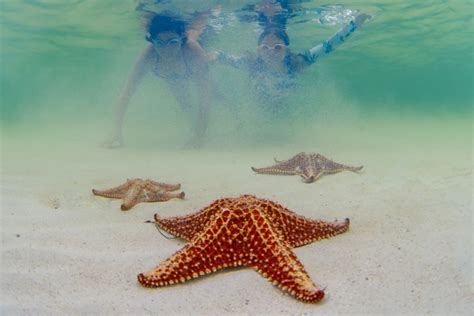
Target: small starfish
309, 166
243, 231
135, 191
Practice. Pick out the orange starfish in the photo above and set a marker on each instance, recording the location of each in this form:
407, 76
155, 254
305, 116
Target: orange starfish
135, 191
309, 166
243, 231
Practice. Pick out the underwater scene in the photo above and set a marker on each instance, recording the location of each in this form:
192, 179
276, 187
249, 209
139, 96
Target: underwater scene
230, 157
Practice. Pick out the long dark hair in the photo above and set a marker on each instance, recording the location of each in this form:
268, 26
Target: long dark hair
278, 32
165, 23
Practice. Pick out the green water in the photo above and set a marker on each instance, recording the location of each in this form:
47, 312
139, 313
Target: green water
396, 98
66, 62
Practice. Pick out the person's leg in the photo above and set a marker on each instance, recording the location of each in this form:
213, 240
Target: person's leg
182, 93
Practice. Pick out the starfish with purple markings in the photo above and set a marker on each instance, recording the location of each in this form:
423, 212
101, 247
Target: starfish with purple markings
135, 191
243, 231
309, 166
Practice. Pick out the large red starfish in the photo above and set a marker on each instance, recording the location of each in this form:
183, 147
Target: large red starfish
135, 191
243, 231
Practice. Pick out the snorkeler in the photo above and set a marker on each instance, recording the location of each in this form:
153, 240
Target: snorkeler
173, 54
273, 68
270, 13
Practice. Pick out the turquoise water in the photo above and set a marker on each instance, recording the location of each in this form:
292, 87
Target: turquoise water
71, 60
396, 98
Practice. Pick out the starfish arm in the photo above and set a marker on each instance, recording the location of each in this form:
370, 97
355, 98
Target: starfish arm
165, 186
330, 166
188, 226
274, 260
167, 196
275, 169
116, 192
299, 230
182, 227
294, 161
209, 251
132, 198
354, 169
335, 167
160, 196
286, 167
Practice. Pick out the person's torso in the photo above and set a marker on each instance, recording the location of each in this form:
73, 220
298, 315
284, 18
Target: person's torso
271, 85
176, 71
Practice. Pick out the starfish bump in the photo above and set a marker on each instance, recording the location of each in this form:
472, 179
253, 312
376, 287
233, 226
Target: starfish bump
135, 191
309, 166
243, 231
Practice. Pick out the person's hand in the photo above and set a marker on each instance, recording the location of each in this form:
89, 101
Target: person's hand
212, 56
361, 18
216, 11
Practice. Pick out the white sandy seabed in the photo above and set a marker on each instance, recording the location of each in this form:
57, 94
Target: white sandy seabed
408, 250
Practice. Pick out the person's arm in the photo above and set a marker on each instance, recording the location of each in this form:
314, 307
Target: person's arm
238, 62
139, 70
195, 29
202, 115
199, 60
312, 55
199, 22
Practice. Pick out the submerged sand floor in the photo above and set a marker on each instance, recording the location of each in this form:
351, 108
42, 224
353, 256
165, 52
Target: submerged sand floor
408, 250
